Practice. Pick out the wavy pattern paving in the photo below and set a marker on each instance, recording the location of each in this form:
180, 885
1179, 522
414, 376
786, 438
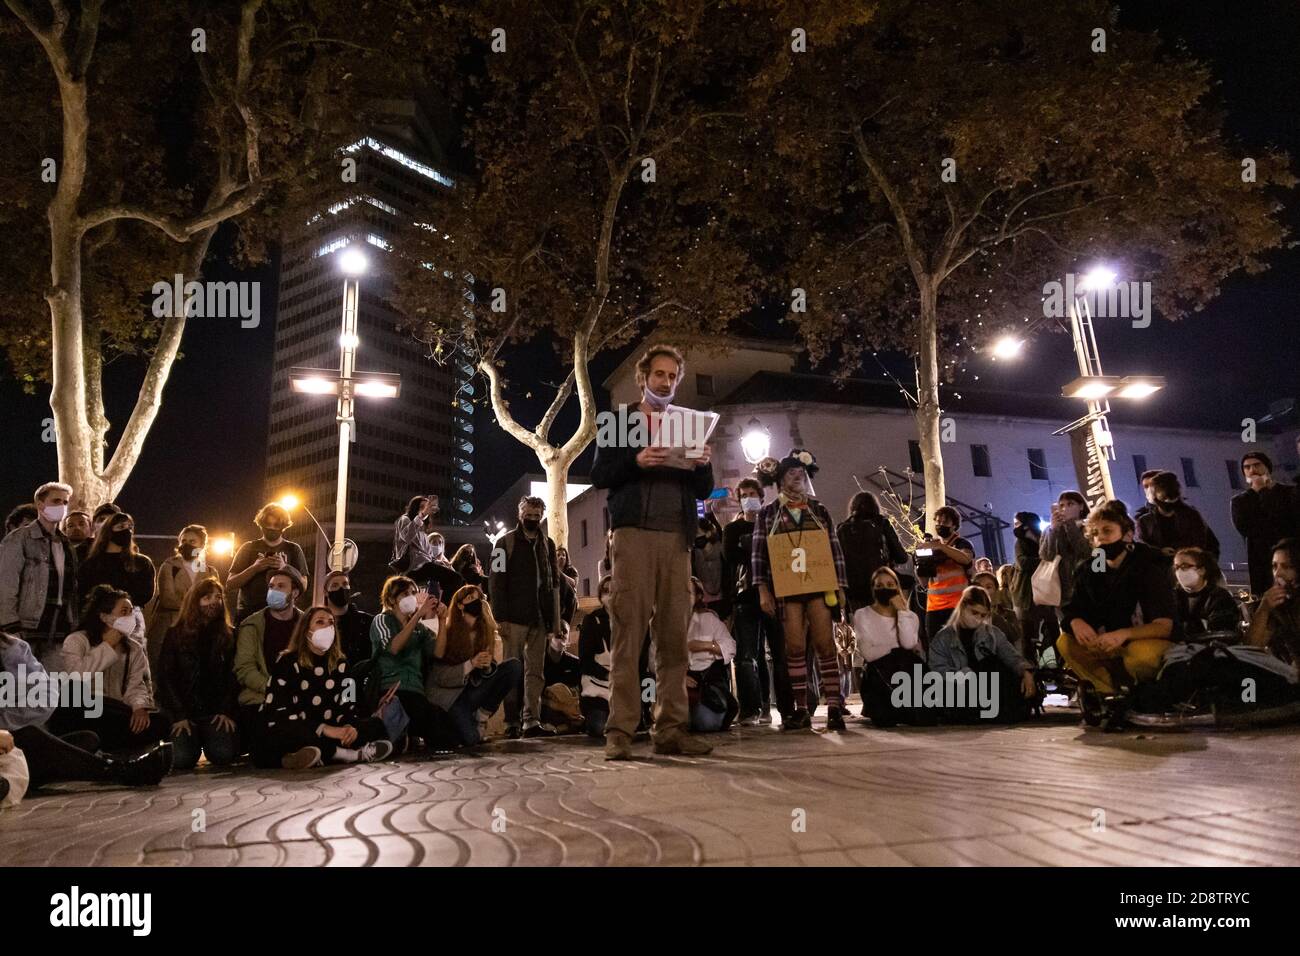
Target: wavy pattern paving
1042, 795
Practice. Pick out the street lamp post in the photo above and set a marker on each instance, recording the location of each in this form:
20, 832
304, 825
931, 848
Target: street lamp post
1092, 445
348, 384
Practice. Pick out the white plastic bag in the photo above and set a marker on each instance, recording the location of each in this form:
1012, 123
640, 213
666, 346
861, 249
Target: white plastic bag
1046, 583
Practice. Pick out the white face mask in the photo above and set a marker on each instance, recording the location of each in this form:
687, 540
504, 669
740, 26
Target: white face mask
125, 625
321, 639
439, 550
408, 604
751, 505
1151, 495
1188, 578
54, 512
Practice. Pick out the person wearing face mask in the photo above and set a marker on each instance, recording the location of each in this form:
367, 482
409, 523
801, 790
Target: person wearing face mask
309, 716
438, 570
1172, 523
1122, 612
524, 584
38, 568
110, 649
1064, 539
262, 636
1038, 625
970, 642
74, 757
115, 561
465, 562
409, 630
1263, 515
805, 618
255, 560
180, 572
752, 629
869, 542
1003, 617
352, 622
1204, 605
706, 561
946, 572
888, 639
100, 515
652, 511
411, 537
196, 679
465, 680
1276, 621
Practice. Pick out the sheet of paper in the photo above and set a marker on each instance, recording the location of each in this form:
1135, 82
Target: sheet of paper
684, 432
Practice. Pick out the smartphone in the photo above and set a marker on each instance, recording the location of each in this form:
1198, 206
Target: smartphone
435, 588
924, 552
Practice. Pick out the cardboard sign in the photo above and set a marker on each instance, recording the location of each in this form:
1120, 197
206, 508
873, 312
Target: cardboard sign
802, 562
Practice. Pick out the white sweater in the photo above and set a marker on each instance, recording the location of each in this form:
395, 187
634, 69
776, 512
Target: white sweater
877, 636
125, 667
707, 626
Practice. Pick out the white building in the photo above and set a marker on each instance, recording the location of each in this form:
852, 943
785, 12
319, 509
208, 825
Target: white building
1002, 457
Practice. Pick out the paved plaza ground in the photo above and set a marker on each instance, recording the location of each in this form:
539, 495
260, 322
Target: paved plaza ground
1050, 793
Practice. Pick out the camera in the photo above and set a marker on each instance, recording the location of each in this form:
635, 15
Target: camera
926, 562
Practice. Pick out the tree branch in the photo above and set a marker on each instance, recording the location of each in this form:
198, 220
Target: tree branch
910, 248
238, 202
87, 34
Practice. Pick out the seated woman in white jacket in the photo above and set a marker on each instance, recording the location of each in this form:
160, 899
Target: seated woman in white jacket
888, 643
109, 651
708, 682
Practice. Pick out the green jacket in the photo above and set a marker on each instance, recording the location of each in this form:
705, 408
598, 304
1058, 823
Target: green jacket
250, 663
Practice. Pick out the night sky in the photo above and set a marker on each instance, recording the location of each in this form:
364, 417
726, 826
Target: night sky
204, 457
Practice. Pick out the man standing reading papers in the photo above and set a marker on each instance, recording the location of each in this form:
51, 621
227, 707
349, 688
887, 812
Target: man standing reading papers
652, 513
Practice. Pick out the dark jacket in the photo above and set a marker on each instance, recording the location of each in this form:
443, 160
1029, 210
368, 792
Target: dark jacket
196, 678
1183, 528
1022, 583
868, 545
1264, 518
1140, 590
524, 591
737, 584
616, 470
1211, 609
136, 578
354, 633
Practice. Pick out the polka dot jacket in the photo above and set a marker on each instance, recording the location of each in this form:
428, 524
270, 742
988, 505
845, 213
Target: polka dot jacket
311, 694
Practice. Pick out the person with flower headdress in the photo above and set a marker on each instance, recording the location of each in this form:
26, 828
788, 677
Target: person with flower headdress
804, 617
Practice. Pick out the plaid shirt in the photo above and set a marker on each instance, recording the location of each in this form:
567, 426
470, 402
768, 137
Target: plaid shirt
775, 519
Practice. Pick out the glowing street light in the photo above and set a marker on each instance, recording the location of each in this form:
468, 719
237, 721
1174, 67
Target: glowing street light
1098, 277
353, 262
756, 442
1008, 347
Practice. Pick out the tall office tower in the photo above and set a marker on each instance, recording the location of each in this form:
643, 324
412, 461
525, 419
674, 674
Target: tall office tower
419, 443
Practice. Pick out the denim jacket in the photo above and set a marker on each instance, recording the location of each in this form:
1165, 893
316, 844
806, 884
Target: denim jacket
26, 561
948, 655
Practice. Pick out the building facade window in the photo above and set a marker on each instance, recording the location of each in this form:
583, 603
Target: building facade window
703, 384
914, 453
1189, 473
1234, 474
584, 532
1139, 466
979, 461
1037, 464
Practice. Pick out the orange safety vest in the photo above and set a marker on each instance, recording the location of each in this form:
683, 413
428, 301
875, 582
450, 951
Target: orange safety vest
944, 590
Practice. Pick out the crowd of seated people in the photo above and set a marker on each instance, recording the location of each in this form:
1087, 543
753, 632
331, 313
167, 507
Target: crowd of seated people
167, 681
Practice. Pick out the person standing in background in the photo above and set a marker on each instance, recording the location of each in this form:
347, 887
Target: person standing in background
76, 528
38, 570
1064, 539
255, 561
1263, 515
180, 572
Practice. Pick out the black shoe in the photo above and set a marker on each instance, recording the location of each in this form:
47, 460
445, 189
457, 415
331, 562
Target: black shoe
1090, 704
537, 730
146, 770
86, 740
799, 720
835, 719
512, 733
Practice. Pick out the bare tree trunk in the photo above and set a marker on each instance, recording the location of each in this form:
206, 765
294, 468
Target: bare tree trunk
927, 408
557, 508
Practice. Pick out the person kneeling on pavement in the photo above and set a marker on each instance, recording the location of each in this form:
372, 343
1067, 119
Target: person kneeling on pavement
465, 679
888, 637
310, 713
708, 681
1120, 618
971, 654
